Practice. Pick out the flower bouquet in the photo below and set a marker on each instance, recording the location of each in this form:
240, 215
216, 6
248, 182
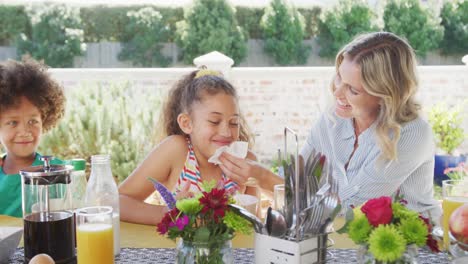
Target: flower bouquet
204, 223
388, 231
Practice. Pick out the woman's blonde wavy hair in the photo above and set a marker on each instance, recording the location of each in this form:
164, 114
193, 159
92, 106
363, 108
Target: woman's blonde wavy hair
388, 71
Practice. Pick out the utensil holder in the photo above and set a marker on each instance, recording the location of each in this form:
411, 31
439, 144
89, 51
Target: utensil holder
274, 250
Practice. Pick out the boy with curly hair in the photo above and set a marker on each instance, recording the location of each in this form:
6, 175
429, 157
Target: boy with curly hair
31, 103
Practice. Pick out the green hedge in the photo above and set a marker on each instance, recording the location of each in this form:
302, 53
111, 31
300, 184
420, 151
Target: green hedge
143, 38
56, 35
407, 18
13, 21
283, 31
331, 28
455, 22
210, 25
339, 25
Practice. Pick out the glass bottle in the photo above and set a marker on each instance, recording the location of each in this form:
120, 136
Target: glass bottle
102, 190
78, 182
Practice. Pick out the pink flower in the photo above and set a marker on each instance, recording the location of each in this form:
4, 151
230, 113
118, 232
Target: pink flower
378, 211
180, 223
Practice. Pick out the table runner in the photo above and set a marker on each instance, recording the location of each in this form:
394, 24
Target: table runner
241, 255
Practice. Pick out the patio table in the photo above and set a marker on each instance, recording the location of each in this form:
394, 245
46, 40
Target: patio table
142, 244
241, 255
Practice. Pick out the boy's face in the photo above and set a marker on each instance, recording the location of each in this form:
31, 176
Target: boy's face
21, 129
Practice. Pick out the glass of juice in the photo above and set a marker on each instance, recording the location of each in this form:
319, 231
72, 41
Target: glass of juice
94, 235
455, 194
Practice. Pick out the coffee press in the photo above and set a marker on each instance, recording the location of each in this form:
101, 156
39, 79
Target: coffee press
47, 212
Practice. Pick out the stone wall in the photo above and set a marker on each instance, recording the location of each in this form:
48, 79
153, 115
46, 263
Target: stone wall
272, 98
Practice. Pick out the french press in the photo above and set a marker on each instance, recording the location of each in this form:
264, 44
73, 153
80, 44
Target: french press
47, 212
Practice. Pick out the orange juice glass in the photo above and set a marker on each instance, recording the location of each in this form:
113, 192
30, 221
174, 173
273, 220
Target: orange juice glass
94, 235
455, 194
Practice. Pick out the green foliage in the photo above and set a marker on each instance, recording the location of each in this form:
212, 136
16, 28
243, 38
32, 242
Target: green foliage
210, 25
455, 22
56, 36
107, 23
408, 19
283, 31
249, 19
447, 126
105, 119
311, 19
144, 37
13, 21
340, 25
101, 23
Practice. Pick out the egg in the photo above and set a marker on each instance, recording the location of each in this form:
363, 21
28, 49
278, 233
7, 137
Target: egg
42, 259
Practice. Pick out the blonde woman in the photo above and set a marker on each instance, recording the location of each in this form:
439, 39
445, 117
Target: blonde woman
373, 134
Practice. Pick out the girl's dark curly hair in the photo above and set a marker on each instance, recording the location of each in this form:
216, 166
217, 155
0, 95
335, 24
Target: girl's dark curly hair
30, 79
189, 90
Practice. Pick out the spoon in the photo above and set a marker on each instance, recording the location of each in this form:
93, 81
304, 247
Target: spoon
275, 223
259, 227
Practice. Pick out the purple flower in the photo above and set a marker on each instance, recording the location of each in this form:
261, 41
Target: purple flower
181, 222
167, 196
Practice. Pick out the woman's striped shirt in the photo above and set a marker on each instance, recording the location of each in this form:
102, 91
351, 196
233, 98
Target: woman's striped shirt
366, 176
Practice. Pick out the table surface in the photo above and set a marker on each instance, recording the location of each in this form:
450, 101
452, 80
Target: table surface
146, 236
142, 244
241, 255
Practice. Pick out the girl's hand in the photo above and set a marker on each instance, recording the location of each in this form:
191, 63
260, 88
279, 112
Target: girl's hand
185, 192
239, 170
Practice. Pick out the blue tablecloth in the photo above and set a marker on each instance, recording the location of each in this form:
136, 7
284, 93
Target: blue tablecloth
242, 255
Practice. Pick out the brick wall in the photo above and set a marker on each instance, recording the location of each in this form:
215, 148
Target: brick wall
272, 98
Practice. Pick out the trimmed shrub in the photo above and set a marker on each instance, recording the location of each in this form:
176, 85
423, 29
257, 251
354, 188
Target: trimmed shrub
144, 36
101, 23
106, 119
13, 22
311, 19
249, 19
408, 19
283, 31
455, 22
210, 25
56, 35
340, 25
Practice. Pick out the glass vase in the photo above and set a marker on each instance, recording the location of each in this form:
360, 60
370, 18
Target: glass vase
188, 252
410, 256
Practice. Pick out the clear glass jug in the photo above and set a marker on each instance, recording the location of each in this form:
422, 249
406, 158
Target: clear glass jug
47, 212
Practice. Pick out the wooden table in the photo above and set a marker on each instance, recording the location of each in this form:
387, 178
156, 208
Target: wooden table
145, 236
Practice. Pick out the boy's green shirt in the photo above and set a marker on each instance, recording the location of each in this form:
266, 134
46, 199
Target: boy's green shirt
10, 189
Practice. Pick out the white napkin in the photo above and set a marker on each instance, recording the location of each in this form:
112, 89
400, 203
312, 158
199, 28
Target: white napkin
237, 148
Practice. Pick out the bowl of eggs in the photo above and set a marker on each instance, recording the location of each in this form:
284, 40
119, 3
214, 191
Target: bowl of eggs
9, 239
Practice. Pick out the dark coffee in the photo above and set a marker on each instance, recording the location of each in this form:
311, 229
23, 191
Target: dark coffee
52, 233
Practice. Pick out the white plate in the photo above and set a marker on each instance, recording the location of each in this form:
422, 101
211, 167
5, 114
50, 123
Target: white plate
9, 239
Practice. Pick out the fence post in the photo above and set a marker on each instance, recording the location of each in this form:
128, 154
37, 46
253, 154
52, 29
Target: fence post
215, 61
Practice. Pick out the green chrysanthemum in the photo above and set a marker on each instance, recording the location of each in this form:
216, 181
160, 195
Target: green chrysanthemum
189, 206
357, 212
237, 223
207, 186
386, 243
414, 231
359, 229
402, 212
